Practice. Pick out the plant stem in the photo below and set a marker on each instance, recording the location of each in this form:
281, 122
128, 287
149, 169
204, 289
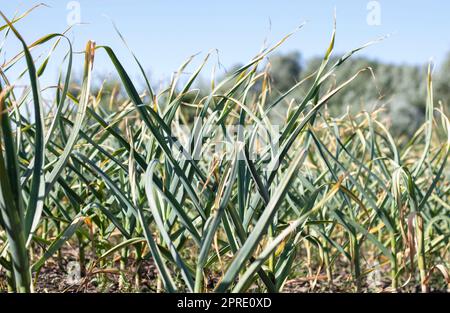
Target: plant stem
394, 265
356, 262
421, 253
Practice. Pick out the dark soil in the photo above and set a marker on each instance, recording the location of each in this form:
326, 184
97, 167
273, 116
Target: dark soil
55, 277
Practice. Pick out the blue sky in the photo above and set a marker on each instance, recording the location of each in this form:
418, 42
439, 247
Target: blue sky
164, 33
